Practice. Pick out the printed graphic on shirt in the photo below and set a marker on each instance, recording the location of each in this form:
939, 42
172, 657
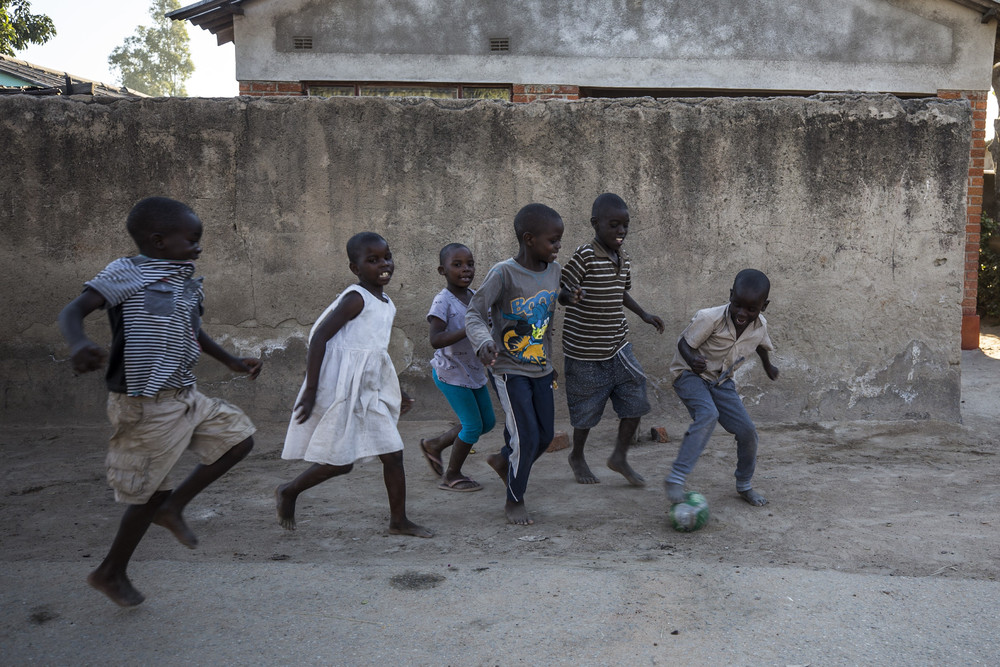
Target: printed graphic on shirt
524, 338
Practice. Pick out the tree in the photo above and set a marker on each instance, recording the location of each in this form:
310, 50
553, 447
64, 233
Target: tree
19, 27
157, 60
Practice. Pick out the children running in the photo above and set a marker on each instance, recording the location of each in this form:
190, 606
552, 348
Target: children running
518, 298
599, 362
154, 305
716, 342
456, 371
350, 401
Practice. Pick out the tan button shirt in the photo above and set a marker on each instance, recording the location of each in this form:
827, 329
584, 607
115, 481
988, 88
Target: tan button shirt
713, 334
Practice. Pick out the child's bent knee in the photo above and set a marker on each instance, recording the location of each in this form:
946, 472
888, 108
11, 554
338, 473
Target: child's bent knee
242, 448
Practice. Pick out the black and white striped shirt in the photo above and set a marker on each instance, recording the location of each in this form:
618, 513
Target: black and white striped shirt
154, 307
595, 329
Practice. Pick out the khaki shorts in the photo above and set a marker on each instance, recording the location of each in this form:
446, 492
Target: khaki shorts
151, 433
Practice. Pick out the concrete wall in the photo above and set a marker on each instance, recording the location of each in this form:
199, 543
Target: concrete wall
899, 46
854, 205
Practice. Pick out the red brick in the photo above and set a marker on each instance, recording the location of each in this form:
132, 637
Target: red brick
520, 99
289, 87
948, 94
517, 89
263, 86
972, 238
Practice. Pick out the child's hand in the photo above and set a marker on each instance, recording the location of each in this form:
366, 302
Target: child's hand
87, 357
571, 295
247, 365
487, 354
654, 320
772, 371
698, 364
407, 403
304, 407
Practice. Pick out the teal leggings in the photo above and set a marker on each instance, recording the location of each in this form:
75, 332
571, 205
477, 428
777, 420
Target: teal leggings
473, 407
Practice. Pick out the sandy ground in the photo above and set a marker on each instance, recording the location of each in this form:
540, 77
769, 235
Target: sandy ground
881, 544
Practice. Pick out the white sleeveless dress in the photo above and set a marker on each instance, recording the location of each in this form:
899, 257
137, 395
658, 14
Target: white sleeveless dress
358, 398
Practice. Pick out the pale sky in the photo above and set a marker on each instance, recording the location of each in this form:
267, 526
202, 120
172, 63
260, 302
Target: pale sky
88, 30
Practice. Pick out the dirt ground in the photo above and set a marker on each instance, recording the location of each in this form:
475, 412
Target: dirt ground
881, 544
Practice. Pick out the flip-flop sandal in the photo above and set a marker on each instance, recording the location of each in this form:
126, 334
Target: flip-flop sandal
453, 485
433, 461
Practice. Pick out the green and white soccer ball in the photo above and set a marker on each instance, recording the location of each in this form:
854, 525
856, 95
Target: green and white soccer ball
691, 514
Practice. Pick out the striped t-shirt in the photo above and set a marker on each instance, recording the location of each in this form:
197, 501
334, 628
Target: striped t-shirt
154, 307
595, 329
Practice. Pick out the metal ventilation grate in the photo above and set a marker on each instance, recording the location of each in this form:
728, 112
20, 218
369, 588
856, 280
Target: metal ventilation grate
302, 43
499, 43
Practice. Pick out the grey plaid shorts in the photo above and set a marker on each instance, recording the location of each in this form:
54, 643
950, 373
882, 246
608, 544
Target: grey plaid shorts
589, 385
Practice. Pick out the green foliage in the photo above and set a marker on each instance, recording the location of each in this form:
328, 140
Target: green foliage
19, 27
988, 299
156, 60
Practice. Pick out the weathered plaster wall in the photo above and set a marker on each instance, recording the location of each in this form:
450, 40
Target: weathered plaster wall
899, 46
854, 205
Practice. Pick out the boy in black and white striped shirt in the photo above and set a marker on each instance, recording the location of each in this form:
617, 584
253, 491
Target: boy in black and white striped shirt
599, 363
154, 306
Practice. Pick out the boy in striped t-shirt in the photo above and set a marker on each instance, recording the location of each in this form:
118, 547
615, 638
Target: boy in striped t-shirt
599, 361
154, 305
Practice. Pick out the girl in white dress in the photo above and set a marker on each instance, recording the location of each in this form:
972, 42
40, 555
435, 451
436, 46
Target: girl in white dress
350, 402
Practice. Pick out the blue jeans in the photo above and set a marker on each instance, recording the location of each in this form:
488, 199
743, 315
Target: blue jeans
473, 407
709, 404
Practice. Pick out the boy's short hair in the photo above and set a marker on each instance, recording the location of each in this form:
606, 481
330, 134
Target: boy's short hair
608, 201
753, 280
531, 218
359, 241
445, 251
154, 214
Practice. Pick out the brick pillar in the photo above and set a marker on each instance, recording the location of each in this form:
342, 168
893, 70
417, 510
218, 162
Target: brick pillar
973, 210
271, 88
529, 92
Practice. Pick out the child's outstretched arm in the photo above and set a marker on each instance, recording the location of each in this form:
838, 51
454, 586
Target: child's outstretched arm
765, 360
247, 365
630, 303
477, 314
85, 354
349, 307
697, 362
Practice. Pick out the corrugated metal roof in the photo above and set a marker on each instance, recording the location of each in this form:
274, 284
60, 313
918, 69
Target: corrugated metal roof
40, 80
216, 16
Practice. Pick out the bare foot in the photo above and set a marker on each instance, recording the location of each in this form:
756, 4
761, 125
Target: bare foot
407, 527
621, 466
517, 514
174, 522
753, 498
675, 493
118, 588
582, 471
286, 508
499, 464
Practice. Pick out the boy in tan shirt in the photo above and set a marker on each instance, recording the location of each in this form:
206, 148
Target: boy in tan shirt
716, 342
